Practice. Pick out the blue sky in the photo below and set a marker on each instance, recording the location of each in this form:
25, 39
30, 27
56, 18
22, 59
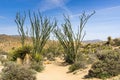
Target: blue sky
105, 22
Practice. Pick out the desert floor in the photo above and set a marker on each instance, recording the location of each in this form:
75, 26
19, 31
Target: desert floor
58, 71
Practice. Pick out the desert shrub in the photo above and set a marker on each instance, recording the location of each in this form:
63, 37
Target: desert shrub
103, 55
103, 47
2, 52
37, 66
12, 71
92, 51
3, 59
107, 66
80, 63
77, 65
50, 56
37, 57
116, 42
53, 51
91, 58
3, 56
20, 52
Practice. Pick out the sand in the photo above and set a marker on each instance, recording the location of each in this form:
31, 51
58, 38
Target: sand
58, 71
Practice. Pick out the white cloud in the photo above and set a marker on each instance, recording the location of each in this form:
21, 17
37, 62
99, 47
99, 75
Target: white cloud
115, 8
57, 2
52, 4
105, 11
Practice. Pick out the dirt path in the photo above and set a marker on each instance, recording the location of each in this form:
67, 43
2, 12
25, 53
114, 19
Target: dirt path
55, 71
58, 71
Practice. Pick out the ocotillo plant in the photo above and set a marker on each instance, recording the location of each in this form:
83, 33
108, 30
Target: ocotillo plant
41, 27
69, 40
20, 20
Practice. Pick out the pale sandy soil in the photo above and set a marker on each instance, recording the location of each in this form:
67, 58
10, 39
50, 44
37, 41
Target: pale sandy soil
57, 71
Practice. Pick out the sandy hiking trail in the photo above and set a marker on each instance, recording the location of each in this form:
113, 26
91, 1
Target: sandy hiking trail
58, 71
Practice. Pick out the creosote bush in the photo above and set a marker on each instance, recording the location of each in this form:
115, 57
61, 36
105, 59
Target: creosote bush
2, 52
3, 56
52, 49
37, 66
77, 65
107, 66
116, 42
12, 71
80, 63
38, 57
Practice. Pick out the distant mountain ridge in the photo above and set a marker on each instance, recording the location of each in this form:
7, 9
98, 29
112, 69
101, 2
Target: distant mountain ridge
4, 38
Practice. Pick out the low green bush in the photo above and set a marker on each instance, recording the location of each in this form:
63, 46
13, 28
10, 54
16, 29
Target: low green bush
20, 52
77, 65
12, 71
80, 63
34, 59
53, 51
3, 59
91, 58
3, 56
37, 66
107, 66
116, 42
2, 52
37, 57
